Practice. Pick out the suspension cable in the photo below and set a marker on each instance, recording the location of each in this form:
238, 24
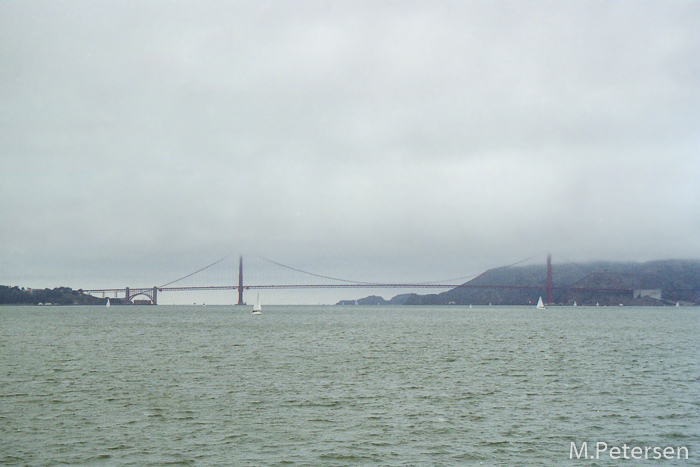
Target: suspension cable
474, 275
521, 261
197, 271
575, 264
329, 277
451, 280
317, 275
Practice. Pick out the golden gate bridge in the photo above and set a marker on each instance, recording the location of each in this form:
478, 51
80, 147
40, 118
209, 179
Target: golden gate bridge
151, 293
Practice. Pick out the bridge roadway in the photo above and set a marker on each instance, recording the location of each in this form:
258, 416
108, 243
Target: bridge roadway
387, 286
143, 290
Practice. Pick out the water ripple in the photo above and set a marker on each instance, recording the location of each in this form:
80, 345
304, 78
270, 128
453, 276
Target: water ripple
334, 386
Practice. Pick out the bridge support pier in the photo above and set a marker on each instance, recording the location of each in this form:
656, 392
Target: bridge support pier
155, 295
240, 280
126, 296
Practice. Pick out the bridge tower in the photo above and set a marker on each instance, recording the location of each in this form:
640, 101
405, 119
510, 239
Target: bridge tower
550, 282
240, 280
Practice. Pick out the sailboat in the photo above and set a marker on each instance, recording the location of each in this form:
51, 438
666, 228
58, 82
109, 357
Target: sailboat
257, 309
540, 305
107, 305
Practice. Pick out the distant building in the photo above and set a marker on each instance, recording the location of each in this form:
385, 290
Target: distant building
651, 293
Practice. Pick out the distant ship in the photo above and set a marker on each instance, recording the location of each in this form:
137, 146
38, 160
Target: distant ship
107, 305
540, 305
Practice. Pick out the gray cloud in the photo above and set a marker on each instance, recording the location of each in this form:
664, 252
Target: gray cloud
407, 140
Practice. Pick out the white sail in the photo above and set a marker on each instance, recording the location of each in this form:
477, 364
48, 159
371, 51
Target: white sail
540, 305
107, 305
257, 309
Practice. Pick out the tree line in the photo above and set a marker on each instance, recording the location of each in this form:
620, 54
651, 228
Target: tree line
56, 296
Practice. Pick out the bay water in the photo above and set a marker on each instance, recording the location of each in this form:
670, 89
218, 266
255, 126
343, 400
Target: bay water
347, 385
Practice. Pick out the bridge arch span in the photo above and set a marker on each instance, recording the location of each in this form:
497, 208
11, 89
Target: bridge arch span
151, 294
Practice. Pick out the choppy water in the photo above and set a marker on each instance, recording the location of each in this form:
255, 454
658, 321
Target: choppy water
338, 386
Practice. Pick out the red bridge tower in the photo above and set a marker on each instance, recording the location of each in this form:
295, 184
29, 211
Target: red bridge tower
550, 282
240, 280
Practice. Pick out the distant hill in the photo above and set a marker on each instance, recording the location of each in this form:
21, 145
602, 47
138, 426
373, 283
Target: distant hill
377, 300
56, 296
663, 282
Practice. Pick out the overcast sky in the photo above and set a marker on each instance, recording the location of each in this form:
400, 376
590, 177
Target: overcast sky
378, 140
